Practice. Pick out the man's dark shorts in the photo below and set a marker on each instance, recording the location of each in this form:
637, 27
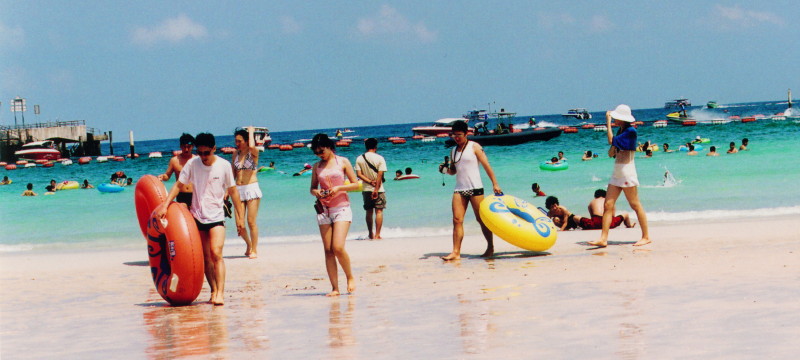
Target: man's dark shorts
370, 203
596, 222
209, 226
184, 198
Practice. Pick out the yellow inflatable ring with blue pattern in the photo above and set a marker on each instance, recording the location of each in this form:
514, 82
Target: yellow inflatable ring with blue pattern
518, 222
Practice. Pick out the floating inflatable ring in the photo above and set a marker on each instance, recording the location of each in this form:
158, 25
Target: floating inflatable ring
562, 165
68, 185
109, 188
176, 255
518, 222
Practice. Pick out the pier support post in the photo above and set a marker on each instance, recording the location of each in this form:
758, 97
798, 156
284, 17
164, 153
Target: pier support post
131, 136
111, 142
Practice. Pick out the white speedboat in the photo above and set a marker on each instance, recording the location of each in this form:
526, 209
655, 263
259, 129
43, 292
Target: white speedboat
260, 136
677, 103
578, 113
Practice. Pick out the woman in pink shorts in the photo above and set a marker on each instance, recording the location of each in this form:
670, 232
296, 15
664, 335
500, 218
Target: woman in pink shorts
333, 207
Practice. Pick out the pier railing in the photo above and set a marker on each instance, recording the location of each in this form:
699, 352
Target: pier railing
44, 125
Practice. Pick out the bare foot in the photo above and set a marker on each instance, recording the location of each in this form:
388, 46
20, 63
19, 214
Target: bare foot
370, 236
211, 299
247, 252
452, 256
633, 224
378, 237
598, 243
351, 285
253, 255
489, 252
643, 241
333, 293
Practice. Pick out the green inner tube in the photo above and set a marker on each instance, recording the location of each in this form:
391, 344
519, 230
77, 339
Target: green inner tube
562, 165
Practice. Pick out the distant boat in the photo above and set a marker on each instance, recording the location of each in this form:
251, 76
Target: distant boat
513, 138
677, 103
445, 125
578, 113
261, 137
38, 150
712, 104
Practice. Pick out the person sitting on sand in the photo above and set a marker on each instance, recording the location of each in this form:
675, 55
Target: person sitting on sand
5, 181
29, 191
597, 209
691, 152
712, 151
86, 184
732, 148
743, 147
562, 218
587, 155
306, 168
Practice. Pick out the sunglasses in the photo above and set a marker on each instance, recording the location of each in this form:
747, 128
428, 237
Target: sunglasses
204, 153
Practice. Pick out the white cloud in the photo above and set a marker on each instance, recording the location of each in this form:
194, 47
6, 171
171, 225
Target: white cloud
290, 25
600, 23
736, 17
172, 30
389, 22
11, 36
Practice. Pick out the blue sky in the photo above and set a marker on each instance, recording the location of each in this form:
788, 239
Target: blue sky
163, 67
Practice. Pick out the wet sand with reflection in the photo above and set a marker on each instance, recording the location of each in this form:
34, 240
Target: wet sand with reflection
720, 290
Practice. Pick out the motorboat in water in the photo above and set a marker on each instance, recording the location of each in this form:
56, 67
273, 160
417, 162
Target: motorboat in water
261, 137
578, 113
677, 103
512, 138
445, 125
38, 150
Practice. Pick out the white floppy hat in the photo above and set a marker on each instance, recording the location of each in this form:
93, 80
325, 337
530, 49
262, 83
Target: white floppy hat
623, 113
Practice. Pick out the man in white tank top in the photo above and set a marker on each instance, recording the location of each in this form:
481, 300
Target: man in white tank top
465, 159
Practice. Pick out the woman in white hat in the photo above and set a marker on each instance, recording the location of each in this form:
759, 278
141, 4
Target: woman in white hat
624, 179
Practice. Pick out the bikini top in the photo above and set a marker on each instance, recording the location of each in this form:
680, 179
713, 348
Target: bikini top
246, 164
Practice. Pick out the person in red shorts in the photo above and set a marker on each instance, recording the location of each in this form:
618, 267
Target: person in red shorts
596, 209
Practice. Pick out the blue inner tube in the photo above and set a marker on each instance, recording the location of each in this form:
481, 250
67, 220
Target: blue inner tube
697, 147
109, 188
561, 165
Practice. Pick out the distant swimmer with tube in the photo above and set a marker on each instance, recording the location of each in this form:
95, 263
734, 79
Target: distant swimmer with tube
211, 178
176, 165
464, 162
245, 165
624, 178
5, 181
86, 184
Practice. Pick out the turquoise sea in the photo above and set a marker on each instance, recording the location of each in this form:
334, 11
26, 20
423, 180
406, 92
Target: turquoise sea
760, 182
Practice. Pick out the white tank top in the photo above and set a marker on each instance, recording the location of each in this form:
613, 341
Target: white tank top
468, 177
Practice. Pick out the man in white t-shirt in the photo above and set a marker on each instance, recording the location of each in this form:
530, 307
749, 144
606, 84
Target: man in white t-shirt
211, 178
370, 168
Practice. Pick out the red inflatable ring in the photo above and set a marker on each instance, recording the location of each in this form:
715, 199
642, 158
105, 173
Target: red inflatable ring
150, 193
176, 256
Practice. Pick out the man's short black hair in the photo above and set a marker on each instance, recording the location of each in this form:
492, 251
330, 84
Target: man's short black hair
408, 171
205, 139
599, 193
371, 143
550, 201
187, 139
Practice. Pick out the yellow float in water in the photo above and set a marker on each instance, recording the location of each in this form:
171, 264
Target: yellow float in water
518, 222
68, 185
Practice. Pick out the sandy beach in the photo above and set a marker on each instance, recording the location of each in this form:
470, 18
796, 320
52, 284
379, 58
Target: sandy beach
701, 290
